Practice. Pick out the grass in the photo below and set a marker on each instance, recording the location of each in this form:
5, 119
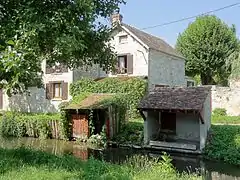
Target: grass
224, 144
219, 119
26, 164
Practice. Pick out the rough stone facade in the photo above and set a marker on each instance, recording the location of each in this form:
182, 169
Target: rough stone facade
227, 98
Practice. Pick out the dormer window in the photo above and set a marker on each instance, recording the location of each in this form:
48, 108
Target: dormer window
123, 39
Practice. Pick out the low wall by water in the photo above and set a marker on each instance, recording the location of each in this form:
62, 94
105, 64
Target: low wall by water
227, 98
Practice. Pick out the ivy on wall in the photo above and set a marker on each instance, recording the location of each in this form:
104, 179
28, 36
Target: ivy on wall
133, 89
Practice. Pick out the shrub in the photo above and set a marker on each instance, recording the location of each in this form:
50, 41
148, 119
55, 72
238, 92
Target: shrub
224, 144
132, 132
220, 112
14, 124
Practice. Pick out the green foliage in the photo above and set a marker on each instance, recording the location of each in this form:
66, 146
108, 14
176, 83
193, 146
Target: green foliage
206, 44
131, 133
24, 164
224, 144
225, 119
68, 32
15, 124
65, 121
19, 69
234, 64
140, 163
132, 88
220, 112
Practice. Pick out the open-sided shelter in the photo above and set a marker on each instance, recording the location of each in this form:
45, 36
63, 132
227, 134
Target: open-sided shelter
177, 117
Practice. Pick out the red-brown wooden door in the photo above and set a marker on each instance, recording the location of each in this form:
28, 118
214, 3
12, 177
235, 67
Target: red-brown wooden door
80, 125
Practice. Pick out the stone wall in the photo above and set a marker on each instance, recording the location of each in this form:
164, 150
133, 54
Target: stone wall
165, 70
227, 97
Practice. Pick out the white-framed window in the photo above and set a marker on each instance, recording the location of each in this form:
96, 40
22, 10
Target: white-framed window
57, 90
122, 64
123, 39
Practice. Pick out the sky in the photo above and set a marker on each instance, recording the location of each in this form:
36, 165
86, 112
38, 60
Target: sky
145, 13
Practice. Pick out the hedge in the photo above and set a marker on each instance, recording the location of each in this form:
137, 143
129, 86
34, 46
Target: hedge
14, 124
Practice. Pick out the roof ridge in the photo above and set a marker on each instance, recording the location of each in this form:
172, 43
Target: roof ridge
152, 41
146, 33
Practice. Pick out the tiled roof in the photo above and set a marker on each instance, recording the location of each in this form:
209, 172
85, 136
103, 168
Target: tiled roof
153, 42
178, 98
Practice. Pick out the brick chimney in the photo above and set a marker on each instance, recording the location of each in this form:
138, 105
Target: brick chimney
116, 18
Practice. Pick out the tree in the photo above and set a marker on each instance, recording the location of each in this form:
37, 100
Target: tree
234, 64
65, 31
206, 44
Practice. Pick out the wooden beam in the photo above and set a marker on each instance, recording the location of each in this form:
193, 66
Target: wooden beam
201, 118
143, 116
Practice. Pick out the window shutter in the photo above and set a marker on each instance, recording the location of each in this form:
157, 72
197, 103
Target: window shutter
130, 64
48, 92
115, 70
64, 91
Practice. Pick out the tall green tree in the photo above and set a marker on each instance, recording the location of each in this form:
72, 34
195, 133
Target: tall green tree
70, 32
206, 44
234, 64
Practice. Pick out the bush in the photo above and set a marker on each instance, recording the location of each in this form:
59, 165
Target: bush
224, 144
133, 88
15, 124
131, 133
220, 112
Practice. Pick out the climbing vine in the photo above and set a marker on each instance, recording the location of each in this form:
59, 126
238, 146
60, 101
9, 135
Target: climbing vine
133, 89
91, 124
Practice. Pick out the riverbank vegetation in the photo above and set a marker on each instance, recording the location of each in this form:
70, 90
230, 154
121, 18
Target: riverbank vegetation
131, 133
27, 164
224, 144
14, 124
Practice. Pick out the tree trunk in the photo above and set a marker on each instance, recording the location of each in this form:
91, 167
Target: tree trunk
207, 80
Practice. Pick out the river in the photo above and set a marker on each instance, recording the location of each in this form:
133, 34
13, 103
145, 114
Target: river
210, 170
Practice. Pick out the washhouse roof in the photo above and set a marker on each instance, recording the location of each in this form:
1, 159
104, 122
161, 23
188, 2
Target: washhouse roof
92, 101
177, 98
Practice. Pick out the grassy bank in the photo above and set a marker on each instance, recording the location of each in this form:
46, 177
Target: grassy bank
29, 164
223, 119
224, 144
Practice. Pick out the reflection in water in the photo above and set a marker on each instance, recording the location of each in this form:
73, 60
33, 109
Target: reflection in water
210, 170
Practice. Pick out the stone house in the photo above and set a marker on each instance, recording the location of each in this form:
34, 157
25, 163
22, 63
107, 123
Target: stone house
138, 54
177, 118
